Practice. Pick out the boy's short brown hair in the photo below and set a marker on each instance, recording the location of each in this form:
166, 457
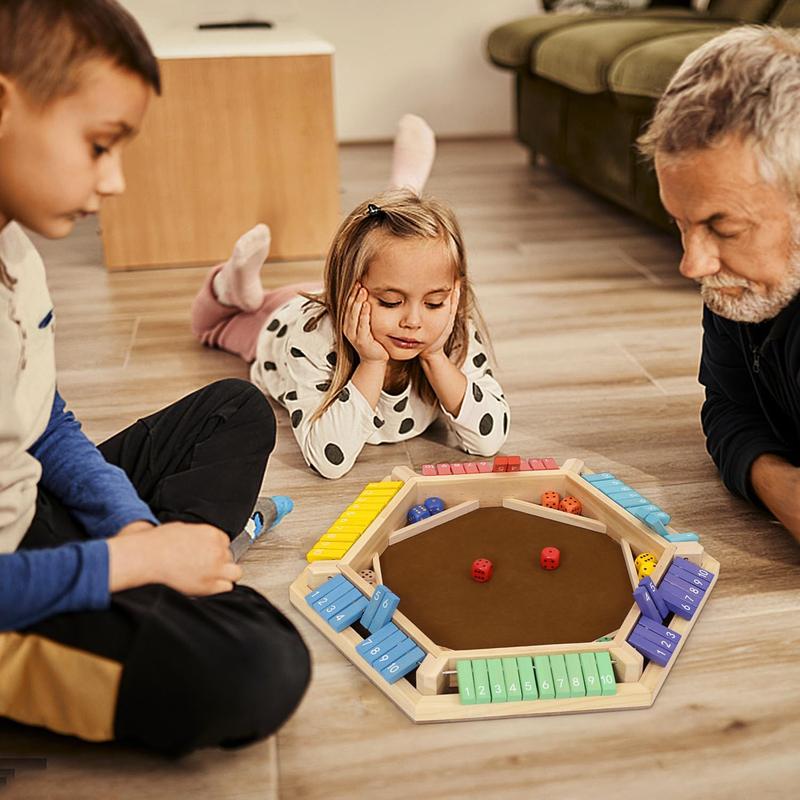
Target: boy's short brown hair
44, 44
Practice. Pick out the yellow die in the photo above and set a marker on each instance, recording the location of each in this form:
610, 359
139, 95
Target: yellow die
645, 569
645, 563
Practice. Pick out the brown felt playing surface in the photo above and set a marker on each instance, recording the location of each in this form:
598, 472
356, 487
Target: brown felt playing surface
587, 597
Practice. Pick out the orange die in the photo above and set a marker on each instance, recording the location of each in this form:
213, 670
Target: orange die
551, 499
571, 505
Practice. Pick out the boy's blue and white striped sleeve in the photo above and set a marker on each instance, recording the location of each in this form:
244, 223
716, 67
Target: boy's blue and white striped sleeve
98, 494
36, 584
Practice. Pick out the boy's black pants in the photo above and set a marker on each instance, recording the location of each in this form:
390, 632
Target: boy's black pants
159, 668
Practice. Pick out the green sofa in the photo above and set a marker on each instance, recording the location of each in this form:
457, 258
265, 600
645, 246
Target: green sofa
586, 85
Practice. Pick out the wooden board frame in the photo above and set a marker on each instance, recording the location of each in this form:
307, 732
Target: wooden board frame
429, 695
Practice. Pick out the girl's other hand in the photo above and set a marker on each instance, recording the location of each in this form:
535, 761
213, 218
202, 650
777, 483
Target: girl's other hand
358, 327
436, 348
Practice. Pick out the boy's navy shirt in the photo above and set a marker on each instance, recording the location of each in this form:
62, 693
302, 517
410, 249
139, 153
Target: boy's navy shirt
35, 584
751, 373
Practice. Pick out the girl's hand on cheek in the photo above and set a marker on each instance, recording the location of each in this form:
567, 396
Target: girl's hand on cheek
436, 348
358, 327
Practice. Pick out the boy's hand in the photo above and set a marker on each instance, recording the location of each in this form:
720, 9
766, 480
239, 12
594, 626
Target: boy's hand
133, 527
436, 347
358, 328
192, 559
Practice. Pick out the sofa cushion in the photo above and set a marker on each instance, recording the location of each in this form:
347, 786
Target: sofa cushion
579, 57
742, 10
511, 44
787, 15
645, 69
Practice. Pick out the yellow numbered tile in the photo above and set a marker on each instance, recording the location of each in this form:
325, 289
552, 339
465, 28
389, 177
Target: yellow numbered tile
344, 527
354, 517
339, 537
377, 494
375, 497
325, 553
329, 545
365, 508
384, 485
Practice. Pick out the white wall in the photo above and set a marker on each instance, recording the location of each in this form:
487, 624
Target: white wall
423, 56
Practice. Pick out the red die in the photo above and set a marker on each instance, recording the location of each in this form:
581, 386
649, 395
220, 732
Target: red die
481, 570
550, 558
551, 499
571, 505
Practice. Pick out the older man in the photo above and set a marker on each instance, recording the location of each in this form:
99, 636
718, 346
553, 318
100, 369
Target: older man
726, 143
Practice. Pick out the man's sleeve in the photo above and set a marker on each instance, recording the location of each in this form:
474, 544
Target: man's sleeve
98, 494
36, 584
736, 429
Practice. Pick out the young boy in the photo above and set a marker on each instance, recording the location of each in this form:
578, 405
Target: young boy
119, 613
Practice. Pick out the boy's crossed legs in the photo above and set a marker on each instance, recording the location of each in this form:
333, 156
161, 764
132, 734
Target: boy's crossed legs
160, 668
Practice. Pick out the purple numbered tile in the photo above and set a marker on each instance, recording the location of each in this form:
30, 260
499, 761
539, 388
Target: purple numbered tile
659, 641
692, 569
658, 628
646, 604
652, 590
693, 580
649, 650
691, 592
678, 606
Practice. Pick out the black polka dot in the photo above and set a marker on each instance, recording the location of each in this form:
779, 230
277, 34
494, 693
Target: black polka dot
323, 387
297, 353
331, 359
478, 338
281, 398
489, 373
406, 425
297, 415
478, 361
334, 454
274, 325
487, 423
269, 365
477, 393
378, 422
400, 405
344, 395
291, 395
505, 423
282, 331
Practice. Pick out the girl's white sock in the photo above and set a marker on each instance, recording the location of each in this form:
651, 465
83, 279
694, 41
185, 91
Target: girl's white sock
238, 283
413, 154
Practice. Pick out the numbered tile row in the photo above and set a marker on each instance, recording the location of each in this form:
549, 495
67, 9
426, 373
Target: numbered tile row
353, 521
641, 508
500, 464
541, 677
680, 591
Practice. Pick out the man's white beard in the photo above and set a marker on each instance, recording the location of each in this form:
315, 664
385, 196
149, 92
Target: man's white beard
749, 306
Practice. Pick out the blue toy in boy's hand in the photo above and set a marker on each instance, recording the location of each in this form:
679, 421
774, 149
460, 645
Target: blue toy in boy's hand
417, 513
435, 505
270, 511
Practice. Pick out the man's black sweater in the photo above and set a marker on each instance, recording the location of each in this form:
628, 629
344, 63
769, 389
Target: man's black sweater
752, 377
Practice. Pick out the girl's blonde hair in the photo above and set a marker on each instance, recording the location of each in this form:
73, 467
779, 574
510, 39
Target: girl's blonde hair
400, 214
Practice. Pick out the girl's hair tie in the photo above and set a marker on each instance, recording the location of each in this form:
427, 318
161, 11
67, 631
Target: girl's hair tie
374, 210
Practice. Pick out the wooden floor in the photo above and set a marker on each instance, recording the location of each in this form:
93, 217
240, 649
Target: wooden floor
598, 340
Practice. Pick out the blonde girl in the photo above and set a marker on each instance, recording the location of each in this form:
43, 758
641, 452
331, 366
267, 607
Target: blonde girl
392, 341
